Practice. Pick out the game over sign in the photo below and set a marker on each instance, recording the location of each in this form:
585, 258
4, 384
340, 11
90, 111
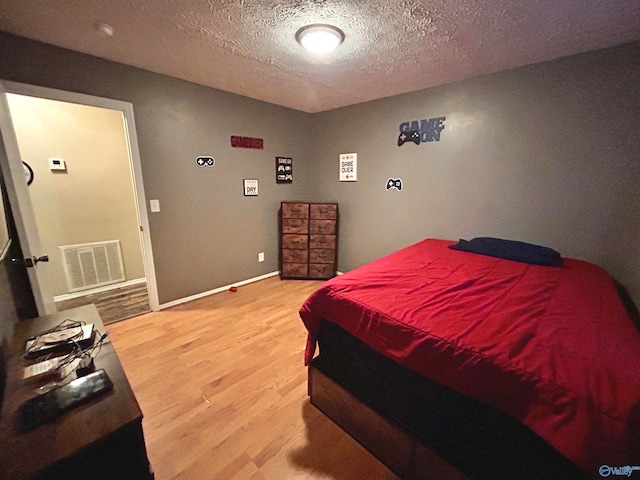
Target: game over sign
247, 142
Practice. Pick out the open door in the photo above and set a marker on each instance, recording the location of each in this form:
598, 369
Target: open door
22, 206
34, 260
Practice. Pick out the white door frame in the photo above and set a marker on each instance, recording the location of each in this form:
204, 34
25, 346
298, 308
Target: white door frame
17, 190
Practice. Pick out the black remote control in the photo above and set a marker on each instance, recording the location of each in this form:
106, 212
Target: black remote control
54, 403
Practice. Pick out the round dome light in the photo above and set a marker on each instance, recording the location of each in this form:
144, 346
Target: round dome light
320, 38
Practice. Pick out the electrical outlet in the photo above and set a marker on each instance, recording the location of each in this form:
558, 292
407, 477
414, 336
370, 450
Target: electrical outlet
261, 257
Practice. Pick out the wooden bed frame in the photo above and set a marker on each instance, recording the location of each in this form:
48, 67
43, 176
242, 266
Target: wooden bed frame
402, 453
418, 428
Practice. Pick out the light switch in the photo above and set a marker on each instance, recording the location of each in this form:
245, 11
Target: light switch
155, 205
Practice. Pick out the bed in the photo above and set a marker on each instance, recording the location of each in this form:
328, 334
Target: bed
475, 366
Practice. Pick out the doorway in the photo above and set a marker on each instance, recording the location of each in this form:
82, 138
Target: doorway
82, 208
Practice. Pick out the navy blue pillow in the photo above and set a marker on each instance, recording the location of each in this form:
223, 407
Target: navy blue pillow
511, 250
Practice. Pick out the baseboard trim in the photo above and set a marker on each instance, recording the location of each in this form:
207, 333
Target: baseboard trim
106, 288
180, 301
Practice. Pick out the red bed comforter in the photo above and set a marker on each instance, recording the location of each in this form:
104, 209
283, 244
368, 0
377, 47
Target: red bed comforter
551, 346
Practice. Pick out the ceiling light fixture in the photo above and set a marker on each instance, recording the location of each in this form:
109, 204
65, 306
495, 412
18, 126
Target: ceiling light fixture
320, 38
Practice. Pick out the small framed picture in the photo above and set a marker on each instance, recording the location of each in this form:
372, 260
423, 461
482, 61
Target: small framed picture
284, 170
250, 188
348, 167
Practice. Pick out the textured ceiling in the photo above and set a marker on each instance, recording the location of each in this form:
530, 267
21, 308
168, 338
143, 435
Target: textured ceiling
248, 46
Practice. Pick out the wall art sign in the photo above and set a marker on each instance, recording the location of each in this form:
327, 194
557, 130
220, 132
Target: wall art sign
247, 142
250, 188
284, 170
205, 161
348, 167
394, 184
423, 131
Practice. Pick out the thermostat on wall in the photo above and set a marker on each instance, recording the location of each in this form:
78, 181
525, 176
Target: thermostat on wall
57, 164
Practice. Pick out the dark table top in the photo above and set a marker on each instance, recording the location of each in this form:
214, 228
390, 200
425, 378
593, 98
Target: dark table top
25, 454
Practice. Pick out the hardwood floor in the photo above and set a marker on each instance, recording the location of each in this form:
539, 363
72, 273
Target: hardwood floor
223, 390
113, 305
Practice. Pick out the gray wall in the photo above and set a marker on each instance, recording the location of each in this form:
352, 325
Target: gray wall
207, 234
548, 153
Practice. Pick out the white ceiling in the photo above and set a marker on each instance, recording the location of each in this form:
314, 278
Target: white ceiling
391, 47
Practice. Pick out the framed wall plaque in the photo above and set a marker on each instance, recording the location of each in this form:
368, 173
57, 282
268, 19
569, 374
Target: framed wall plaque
284, 170
250, 188
348, 167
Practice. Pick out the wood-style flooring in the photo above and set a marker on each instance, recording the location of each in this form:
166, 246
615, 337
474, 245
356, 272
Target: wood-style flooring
115, 304
223, 390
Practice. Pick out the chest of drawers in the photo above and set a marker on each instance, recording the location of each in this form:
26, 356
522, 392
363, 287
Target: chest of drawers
308, 240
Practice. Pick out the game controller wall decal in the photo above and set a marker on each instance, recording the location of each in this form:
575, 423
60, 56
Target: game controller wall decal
205, 161
427, 130
412, 136
394, 184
